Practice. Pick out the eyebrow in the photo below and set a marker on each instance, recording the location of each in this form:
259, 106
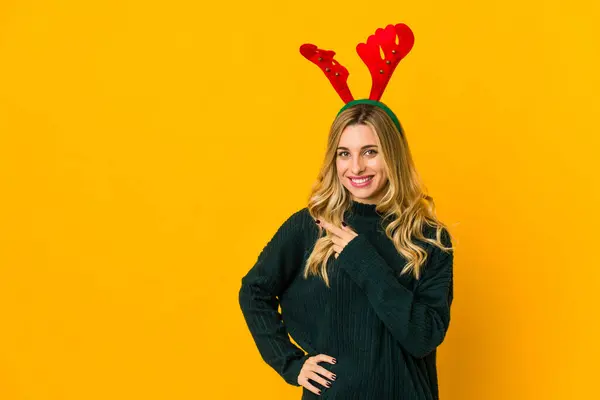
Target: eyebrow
362, 148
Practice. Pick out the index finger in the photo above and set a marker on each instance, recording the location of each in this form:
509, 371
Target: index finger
324, 357
332, 228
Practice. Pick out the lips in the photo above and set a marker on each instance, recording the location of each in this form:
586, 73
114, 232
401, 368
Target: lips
361, 179
361, 182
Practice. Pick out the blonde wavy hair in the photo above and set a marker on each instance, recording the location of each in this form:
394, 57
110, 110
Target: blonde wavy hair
405, 202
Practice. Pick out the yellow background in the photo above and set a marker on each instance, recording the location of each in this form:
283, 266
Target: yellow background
148, 150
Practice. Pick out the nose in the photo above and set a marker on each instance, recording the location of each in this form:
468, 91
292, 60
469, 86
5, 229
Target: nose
357, 165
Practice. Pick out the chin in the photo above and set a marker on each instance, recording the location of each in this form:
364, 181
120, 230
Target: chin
358, 194
364, 194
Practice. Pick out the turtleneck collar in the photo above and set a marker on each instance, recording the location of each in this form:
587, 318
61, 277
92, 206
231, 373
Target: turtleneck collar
364, 209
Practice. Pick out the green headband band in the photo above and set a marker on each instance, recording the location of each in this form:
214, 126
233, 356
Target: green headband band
379, 104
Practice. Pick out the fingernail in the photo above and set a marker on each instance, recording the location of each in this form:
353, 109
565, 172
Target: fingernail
334, 360
319, 392
343, 223
328, 384
334, 377
318, 221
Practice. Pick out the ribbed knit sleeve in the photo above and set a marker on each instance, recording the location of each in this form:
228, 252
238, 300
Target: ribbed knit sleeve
276, 266
418, 320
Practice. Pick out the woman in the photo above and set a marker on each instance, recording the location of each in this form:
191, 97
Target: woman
363, 274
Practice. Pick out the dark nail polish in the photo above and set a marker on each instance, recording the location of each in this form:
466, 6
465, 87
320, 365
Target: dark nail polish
319, 392
334, 377
328, 384
318, 221
334, 360
343, 223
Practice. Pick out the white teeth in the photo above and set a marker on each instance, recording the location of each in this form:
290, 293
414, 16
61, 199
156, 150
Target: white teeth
362, 180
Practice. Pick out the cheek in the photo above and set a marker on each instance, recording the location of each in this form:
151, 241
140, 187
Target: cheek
340, 166
375, 165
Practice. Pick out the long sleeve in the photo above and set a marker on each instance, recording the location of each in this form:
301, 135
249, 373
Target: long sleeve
276, 266
418, 320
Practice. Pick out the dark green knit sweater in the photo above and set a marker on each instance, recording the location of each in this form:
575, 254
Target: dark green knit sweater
383, 329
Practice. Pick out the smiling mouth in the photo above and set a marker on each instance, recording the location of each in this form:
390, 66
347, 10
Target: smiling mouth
361, 182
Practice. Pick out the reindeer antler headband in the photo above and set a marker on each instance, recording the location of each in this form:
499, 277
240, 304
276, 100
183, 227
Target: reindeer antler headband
381, 68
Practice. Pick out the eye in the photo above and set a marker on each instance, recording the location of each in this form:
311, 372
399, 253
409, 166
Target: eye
342, 153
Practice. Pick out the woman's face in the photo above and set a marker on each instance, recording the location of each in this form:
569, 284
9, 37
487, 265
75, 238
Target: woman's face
358, 156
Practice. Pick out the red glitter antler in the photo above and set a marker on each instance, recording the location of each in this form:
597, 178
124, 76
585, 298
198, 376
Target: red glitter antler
382, 68
335, 72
